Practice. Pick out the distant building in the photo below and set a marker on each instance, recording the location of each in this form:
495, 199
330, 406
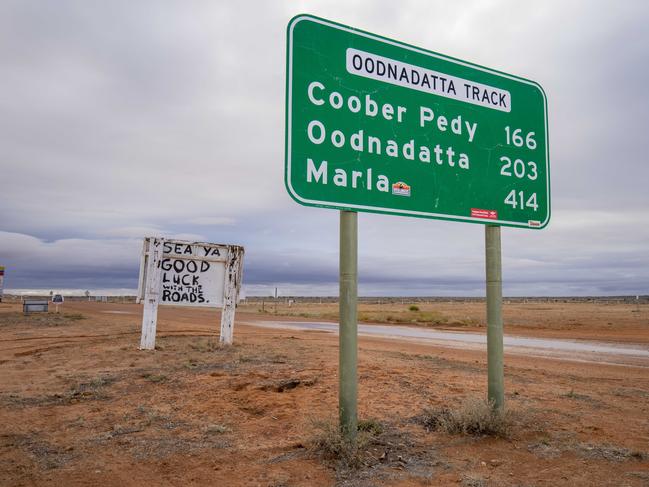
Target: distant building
2, 281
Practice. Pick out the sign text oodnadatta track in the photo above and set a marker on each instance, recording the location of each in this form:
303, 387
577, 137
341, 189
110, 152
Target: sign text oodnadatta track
376, 125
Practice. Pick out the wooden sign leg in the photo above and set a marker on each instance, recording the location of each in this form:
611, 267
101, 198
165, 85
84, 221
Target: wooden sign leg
151, 294
233, 271
141, 277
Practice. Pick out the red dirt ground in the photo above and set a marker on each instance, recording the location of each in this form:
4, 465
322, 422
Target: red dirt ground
81, 405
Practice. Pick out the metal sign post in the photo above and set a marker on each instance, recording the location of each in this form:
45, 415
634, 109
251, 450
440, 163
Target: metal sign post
348, 328
495, 367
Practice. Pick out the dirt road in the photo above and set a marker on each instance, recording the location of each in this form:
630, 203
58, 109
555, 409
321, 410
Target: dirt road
80, 405
574, 350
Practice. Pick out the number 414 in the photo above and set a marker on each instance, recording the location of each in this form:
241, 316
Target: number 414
516, 199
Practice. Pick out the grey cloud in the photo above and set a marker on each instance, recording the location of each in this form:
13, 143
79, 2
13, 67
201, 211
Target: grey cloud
121, 119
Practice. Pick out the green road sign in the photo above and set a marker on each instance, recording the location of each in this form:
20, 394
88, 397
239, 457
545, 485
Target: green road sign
377, 125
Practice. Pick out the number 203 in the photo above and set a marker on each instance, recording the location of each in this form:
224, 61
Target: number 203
519, 167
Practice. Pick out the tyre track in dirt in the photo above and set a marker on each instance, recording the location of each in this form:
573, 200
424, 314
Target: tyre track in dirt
45, 344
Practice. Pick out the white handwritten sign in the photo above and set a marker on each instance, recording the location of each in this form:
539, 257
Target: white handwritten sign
192, 274
197, 274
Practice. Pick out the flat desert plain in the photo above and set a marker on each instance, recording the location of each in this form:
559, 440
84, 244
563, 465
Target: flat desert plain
81, 405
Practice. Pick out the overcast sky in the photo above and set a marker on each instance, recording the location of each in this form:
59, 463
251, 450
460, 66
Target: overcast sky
125, 119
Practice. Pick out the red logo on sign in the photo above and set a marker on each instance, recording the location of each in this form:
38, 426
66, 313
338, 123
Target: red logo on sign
488, 214
401, 189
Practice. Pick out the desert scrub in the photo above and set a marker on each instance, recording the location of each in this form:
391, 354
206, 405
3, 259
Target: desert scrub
371, 426
74, 316
209, 345
413, 308
216, 429
475, 417
155, 378
329, 443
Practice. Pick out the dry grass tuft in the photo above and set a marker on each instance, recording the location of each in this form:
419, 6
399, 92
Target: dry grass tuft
475, 417
155, 378
216, 429
469, 480
610, 453
74, 316
329, 443
371, 426
209, 345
